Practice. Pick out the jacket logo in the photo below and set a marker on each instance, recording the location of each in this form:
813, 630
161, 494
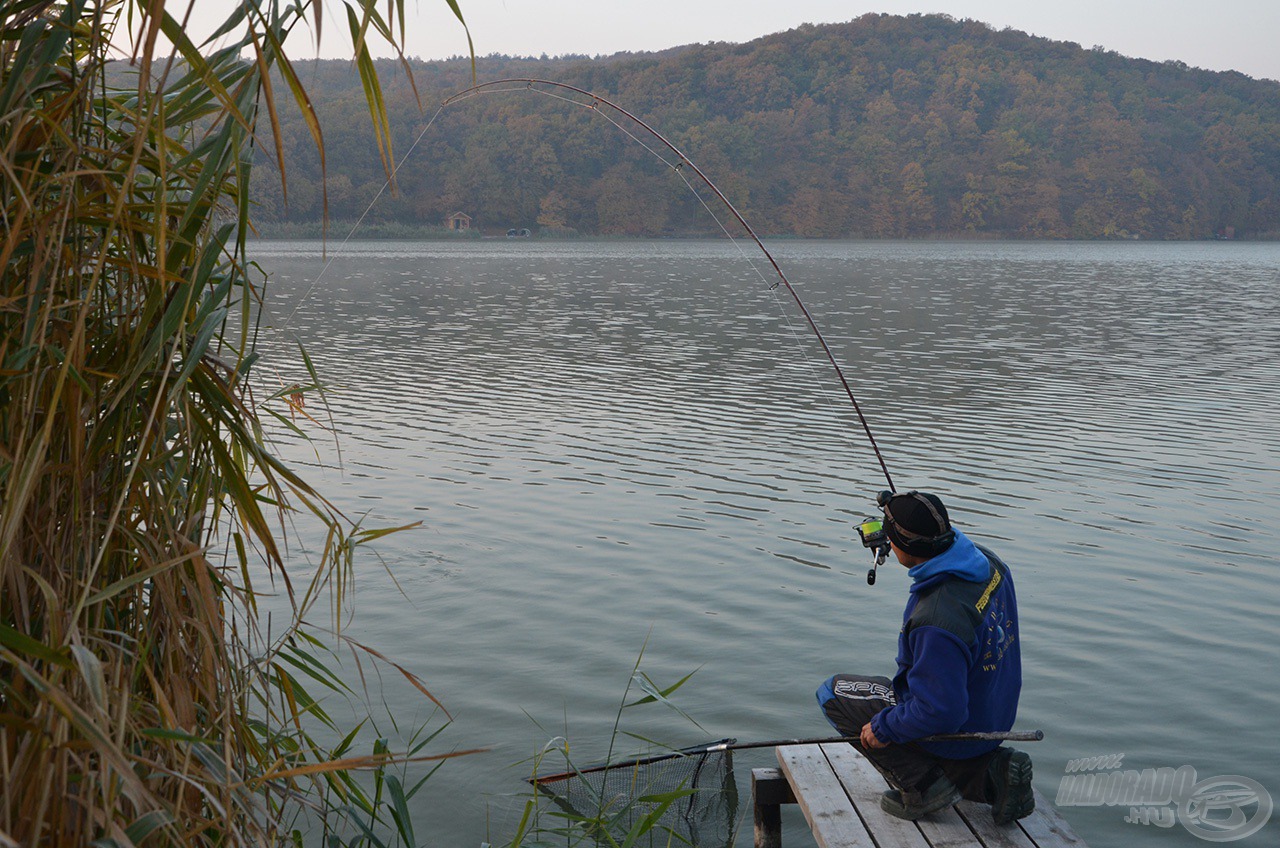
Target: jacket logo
991, 587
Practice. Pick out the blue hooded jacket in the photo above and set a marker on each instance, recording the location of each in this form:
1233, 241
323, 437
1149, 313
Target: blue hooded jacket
959, 657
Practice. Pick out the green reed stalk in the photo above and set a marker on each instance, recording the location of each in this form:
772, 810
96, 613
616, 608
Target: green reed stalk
140, 503
604, 815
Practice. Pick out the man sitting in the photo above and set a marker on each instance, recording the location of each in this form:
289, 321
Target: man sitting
959, 669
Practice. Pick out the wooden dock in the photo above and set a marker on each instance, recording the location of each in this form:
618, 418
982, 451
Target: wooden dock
839, 792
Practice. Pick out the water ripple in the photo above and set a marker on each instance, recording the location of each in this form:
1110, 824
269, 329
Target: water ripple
609, 437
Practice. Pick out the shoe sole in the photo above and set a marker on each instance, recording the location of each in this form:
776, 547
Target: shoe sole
1019, 802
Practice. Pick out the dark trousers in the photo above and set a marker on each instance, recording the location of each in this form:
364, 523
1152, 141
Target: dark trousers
850, 700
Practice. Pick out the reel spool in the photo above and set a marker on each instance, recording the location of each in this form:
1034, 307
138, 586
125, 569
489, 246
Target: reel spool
876, 539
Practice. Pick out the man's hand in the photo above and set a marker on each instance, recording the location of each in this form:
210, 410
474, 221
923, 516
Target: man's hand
868, 738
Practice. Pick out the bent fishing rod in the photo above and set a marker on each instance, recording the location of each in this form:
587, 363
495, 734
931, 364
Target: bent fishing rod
595, 102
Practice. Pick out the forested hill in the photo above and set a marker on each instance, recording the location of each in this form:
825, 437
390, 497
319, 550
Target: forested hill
882, 127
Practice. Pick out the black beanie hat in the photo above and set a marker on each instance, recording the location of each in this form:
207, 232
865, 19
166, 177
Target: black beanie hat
918, 523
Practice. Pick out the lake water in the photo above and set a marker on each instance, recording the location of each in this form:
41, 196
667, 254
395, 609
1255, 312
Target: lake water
617, 446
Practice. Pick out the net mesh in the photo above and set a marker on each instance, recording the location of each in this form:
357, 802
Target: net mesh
620, 798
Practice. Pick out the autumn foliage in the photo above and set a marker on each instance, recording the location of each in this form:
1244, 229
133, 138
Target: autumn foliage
882, 127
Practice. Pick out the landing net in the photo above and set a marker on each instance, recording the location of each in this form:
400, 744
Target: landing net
696, 787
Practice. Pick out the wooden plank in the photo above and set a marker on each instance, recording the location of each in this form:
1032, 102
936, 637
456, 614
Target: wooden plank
819, 776
1047, 828
946, 829
943, 829
990, 834
821, 797
863, 784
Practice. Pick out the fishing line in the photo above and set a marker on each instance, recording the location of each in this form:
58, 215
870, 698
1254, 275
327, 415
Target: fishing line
334, 255
594, 103
678, 169
597, 100
360, 220
773, 291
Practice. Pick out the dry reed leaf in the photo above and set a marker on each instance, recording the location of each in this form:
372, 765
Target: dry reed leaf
134, 701
364, 762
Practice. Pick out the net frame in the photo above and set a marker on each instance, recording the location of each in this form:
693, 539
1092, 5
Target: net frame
684, 797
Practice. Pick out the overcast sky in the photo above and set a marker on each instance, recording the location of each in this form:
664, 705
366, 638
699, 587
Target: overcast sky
1223, 35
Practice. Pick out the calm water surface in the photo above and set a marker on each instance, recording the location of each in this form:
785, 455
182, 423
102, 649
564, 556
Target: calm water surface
609, 443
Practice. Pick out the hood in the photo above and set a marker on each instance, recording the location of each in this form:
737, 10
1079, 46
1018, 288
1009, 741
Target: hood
962, 559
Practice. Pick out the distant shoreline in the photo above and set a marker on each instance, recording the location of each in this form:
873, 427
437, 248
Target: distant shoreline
342, 231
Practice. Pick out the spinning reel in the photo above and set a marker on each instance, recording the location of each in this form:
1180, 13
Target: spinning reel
875, 538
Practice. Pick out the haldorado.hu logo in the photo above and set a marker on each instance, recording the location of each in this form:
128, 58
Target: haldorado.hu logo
1217, 809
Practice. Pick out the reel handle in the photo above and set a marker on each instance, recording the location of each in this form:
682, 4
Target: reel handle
881, 554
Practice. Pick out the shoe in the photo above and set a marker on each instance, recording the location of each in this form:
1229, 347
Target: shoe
913, 805
1010, 780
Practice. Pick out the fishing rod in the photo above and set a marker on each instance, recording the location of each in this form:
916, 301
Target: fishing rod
735, 745
595, 102
878, 544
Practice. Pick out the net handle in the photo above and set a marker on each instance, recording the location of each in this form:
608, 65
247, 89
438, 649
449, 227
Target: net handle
735, 745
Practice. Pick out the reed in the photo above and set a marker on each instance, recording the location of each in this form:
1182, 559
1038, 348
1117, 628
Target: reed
141, 506
579, 807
